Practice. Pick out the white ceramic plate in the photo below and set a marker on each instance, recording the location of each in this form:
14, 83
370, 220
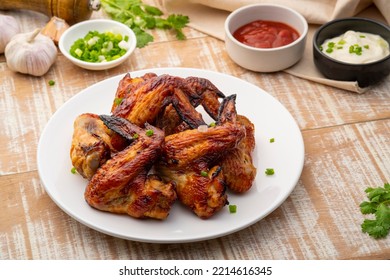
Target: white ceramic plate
271, 119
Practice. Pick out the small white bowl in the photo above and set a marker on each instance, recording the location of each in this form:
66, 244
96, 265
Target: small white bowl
81, 29
265, 59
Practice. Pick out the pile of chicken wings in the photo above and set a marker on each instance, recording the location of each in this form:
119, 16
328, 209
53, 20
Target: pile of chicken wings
155, 148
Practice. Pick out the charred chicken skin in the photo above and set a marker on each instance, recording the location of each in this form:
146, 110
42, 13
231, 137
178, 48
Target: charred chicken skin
122, 184
190, 159
203, 92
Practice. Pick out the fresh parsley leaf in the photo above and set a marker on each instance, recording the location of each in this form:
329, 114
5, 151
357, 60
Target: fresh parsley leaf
368, 207
178, 22
379, 205
153, 10
143, 38
141, 17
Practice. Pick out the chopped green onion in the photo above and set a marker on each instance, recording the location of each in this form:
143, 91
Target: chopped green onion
330, 46
118, 100
341, 42
73, 170
269, 171
51, 83
78, 52
212, 124
232, 208
149, 132
272, 140
356, 49
203, 173
329, 50
135, 136
100, 47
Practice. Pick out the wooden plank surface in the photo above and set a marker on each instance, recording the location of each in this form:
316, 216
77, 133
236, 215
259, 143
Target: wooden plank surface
347, 148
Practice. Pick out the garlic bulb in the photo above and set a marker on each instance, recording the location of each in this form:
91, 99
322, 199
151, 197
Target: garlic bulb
30, 53
9, 27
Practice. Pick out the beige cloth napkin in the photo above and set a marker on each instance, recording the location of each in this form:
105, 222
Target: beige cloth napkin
209, 16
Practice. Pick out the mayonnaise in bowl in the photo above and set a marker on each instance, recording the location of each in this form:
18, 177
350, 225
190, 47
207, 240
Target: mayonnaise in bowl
356, 47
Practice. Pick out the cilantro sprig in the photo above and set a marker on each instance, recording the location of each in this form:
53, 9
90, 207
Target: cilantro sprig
141, 17
379, 205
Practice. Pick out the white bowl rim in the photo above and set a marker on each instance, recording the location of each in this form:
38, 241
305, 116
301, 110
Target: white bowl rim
301, 37
97, 65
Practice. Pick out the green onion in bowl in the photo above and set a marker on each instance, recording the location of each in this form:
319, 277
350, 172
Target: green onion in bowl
98, 44
100, 47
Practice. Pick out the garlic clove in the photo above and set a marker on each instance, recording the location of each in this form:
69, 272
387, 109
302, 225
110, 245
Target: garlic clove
54, 29
9, 27
30, 53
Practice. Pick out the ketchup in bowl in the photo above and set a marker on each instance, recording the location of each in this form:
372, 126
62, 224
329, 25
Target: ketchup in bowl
266, 34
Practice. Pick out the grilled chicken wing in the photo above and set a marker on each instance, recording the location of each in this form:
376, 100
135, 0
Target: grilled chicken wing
92, 144
145, 103
127, 85
122, 184
204, 192
202, 92
189, 159
199, 91
238, 165
144, 99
